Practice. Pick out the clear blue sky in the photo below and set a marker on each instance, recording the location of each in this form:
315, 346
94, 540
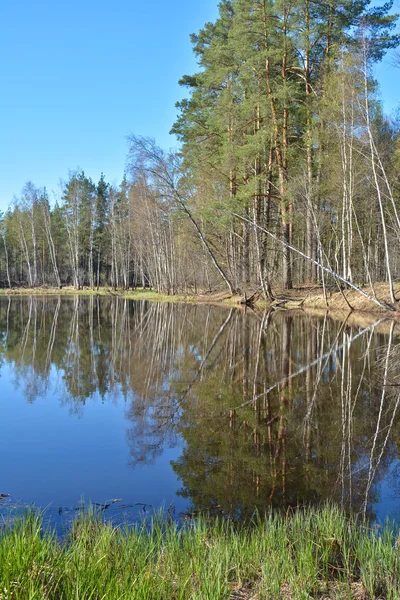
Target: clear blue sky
78, 76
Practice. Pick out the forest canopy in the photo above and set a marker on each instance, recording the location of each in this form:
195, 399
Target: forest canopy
287, 173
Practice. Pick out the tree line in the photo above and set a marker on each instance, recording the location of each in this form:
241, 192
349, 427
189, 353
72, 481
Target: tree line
288, 172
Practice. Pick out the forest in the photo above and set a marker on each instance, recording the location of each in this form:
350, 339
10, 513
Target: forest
287, 171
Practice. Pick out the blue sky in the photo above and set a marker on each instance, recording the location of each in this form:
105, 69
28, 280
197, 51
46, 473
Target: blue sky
78, 76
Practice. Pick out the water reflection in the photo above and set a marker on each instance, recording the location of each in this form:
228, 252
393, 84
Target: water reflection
265, 411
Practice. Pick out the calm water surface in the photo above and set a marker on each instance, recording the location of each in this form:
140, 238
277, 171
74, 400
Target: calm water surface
194, 407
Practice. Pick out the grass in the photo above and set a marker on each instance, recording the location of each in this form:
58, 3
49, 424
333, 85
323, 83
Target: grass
137, 294
317, 553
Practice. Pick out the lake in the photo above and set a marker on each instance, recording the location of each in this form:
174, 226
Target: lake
138, 406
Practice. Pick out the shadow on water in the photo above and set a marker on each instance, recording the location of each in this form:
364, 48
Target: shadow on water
252, 411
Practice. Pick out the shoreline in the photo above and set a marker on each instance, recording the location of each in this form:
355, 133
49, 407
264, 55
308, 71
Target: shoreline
312, 552
309, 300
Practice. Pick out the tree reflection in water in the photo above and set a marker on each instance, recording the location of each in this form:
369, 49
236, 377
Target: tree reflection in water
274, 410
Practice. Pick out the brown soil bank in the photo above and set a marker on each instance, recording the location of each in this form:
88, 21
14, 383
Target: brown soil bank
345, 300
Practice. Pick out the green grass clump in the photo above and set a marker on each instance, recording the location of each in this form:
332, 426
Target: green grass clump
307, 554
